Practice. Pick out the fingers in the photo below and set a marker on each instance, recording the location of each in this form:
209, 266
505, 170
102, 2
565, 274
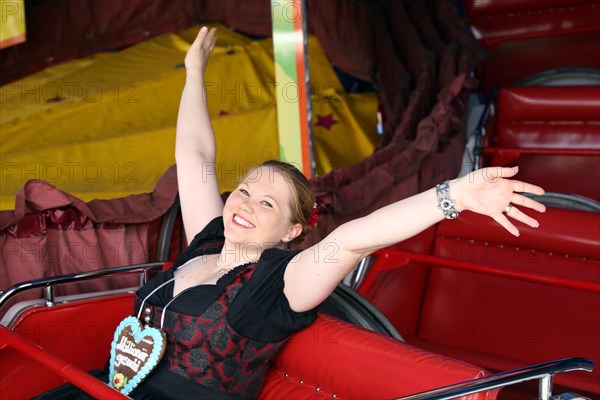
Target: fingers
519, 215
206, 38
493, 173
508, 172
524, 201
210, 40
505, 189
499, 172
524, 187
196, 58
200, 37
203, 32
505, 223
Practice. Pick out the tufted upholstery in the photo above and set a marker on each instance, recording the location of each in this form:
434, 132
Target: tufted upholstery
334, 357
552, 134
499, 21
549, 117
500, 301
529, 37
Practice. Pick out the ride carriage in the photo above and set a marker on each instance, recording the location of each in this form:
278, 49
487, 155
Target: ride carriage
353, 350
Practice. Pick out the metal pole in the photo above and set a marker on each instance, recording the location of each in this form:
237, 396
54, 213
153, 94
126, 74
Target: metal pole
292, 88
545, 388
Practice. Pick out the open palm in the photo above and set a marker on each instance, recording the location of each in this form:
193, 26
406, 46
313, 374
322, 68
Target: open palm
488, 191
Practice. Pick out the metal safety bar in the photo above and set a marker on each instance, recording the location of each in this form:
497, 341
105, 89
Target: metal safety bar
48, 283
544, 372
479, 132
407, 256
515, 151
59, 366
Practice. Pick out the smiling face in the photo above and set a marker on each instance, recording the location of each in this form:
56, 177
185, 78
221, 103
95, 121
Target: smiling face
258, 212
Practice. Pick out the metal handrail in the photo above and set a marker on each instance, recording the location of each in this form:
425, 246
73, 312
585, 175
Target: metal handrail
48, 283
166, 231
544, 372
479, 131
542, 151
59, 366
488, 269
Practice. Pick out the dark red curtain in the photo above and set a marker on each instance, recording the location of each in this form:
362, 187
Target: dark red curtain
418, 55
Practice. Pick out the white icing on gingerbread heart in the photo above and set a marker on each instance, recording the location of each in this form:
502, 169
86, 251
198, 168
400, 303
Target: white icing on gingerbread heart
134, 353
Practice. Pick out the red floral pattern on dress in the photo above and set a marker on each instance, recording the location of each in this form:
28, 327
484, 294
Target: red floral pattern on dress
208, 351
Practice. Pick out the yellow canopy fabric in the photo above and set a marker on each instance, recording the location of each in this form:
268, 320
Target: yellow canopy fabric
12, 22
104, 127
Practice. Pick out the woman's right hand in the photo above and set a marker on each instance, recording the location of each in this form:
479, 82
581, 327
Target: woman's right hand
197, 56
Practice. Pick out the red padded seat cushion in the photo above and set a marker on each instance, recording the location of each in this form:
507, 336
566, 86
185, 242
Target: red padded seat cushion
333, 357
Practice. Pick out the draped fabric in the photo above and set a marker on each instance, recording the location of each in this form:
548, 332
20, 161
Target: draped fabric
418, 56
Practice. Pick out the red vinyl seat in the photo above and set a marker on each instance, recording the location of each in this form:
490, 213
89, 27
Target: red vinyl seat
329, 357
526, 38
486, 297
332, 357
552, 134
79, 333
495, 22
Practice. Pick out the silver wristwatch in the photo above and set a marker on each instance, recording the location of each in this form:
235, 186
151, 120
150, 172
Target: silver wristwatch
445, 202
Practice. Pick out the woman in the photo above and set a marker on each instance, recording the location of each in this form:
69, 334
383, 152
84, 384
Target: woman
271, 208
237, 293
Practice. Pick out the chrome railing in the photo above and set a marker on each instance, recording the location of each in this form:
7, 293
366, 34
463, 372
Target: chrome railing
47, 284
544, 372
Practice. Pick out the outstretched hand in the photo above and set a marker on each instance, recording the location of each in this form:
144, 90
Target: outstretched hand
197, 56
488, 191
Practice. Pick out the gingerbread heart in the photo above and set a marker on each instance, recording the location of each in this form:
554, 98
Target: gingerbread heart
134, 353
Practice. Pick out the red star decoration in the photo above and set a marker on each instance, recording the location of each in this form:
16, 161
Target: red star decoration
55, 99
223, 112
326, 121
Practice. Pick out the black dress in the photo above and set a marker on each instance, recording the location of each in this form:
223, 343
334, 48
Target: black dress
221, 337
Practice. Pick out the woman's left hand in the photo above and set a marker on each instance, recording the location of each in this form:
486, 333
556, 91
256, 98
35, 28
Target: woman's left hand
488, 191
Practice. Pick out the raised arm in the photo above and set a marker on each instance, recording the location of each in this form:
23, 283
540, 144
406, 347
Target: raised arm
317, 270
195, 148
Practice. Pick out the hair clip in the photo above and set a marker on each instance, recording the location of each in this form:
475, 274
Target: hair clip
314, 217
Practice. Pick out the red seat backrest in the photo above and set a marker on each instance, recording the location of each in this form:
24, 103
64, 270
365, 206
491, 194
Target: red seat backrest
330, 354
514, 319
552, 134
333, 357
549, 117
498, 21
79, 333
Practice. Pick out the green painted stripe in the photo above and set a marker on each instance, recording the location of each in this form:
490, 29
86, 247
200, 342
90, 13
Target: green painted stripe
287, 87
